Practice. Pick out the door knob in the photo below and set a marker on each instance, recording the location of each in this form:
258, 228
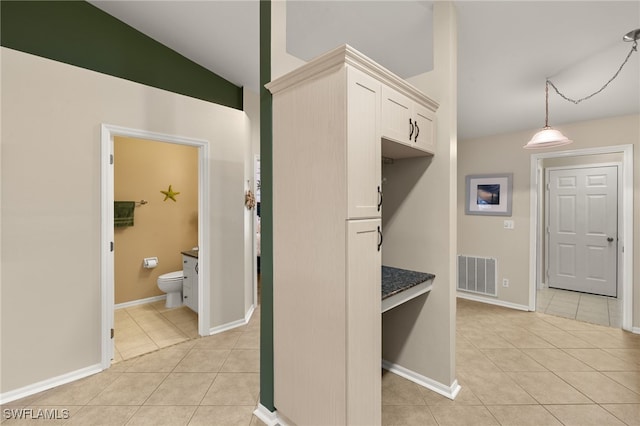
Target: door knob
610, 239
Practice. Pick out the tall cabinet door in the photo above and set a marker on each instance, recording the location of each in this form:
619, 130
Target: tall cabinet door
364, 318
364, 196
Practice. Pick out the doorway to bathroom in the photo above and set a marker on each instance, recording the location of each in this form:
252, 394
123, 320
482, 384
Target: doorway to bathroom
164, 178
155, 222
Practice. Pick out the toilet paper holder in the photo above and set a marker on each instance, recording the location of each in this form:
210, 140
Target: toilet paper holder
150, 262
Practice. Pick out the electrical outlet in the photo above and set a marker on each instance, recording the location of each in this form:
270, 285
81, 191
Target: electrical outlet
505, 282
508, 224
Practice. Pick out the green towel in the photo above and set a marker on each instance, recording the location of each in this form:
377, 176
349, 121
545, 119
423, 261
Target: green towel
123, 213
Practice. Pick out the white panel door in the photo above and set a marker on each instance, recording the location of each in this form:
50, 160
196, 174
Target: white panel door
582, 226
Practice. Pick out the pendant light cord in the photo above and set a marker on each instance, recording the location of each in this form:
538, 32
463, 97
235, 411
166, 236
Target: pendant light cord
634, 48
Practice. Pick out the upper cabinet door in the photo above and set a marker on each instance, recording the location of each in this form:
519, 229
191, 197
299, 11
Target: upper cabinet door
424, 129
408, 124
396, 116
364, 197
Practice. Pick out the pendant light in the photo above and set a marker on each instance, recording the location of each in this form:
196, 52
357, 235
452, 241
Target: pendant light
548, 137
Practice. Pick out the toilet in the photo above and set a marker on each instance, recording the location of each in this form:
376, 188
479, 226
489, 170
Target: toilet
171, 283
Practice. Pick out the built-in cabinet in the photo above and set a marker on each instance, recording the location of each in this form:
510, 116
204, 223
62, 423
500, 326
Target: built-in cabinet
190, 282
327, 236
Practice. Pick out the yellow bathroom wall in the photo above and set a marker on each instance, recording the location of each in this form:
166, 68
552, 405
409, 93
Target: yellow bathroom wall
161, 228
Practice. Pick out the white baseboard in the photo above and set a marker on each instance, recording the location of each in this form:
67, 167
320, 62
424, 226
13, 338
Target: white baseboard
635, 330
49, 383
502, 303
140, 301
270, 418
249, 314
447, 391
234, 324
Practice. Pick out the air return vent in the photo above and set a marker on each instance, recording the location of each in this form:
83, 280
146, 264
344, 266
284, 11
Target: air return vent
477, 275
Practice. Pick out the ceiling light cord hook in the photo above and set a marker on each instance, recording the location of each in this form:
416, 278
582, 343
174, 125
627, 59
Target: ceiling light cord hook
634, 48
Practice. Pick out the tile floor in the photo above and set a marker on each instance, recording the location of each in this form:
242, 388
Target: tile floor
145, 328
515, 368
581, 306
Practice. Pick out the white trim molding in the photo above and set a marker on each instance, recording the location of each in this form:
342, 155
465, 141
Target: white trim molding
447, 391
49, 383
497, 302
270, 418
140, 302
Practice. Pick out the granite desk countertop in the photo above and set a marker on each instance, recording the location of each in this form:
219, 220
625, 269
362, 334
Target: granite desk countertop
192, 253
401, 285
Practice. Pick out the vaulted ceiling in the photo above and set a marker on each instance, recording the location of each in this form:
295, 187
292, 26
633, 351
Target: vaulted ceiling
506, 49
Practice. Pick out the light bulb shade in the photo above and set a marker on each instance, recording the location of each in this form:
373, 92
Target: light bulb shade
547, 138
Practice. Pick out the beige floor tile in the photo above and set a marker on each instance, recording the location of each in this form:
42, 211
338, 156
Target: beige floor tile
182, 389
629, 379
159, 361
600, 360
474, 360
178, 315
583, 415
129, 389
464, 397
563, 339
248, 340
242, 361
525, 339
632, 355
221, 415
257, 422
512, 360
628, 413
604, 339
225, 340
410, 415
523, 415
496, 388
557, 360
459, 415
202, 360
79, 392
397, 390
600, 388
547, 388
171, 341
138, 350
162, 415
100, 415
233, 389
487, 340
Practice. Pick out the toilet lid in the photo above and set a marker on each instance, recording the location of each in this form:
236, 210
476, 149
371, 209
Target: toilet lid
171, 275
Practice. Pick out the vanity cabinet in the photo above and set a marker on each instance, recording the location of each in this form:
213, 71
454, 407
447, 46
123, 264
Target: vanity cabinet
327, 238
190, 282
407, 123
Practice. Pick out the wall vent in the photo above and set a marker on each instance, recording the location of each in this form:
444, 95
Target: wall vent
477, 275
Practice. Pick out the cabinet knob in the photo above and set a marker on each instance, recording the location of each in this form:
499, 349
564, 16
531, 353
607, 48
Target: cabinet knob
610, 239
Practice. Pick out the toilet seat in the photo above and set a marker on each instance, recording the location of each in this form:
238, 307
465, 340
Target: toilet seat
171, 276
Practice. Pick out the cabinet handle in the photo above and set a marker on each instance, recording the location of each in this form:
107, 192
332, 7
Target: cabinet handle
410, 129
379, 238
379, 198
417, 131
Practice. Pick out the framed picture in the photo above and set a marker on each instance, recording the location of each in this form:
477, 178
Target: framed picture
489, 194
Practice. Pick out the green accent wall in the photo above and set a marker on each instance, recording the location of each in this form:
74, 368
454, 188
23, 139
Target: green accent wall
80, 34
266, 212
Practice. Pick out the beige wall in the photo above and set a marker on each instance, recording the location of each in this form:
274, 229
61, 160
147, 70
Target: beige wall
162, 229
51, 209
485, 235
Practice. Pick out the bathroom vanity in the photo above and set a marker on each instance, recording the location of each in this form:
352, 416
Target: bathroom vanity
190, 279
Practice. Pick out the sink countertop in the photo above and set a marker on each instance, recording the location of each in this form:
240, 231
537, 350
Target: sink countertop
192, 253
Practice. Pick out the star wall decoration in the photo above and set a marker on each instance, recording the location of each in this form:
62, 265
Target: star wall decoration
170, 193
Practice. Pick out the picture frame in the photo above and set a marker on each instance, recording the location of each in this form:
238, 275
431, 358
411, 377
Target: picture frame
489, 195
